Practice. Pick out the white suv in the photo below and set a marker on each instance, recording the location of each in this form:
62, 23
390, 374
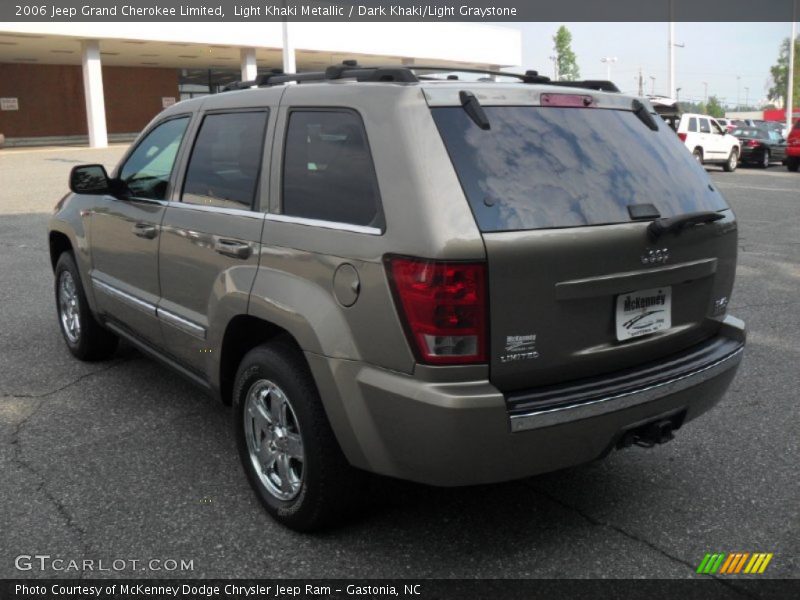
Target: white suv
708, 141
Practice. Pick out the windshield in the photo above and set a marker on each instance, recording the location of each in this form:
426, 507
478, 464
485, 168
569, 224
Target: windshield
542, 167
749, 133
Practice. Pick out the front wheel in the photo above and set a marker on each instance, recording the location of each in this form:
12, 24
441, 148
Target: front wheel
732, 162
286, 445
698, 156
765, 159
85, 337
793, 163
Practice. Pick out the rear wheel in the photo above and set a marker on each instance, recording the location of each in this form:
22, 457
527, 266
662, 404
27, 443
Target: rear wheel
698, 155
793, 163
765, 158
85, 337
287, 447
732, 162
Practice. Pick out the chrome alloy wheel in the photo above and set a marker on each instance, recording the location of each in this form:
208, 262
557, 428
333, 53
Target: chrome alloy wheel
733, 160
273, 440
69, 307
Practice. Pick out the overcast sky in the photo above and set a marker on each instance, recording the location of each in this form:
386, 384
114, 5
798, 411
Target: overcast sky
713, 52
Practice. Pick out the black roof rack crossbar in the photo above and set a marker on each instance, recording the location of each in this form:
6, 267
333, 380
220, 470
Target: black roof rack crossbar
350, 69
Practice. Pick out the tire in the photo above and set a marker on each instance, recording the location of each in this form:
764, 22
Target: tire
279, 420
732, 162
764, 162
793, 163
84, 336
698, 156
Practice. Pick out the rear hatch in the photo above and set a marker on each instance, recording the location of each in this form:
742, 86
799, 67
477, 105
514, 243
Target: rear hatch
577, 287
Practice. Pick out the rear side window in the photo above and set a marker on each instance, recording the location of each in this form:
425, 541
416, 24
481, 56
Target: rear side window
543, 167
328, 172
704, 126
693, 124
226, 160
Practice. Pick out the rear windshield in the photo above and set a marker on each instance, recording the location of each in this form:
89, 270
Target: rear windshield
544, 167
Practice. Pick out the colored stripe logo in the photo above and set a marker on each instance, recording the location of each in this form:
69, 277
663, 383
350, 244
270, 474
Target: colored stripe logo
734, 563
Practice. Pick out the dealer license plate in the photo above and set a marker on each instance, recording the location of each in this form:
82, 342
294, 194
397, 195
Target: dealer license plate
643, 312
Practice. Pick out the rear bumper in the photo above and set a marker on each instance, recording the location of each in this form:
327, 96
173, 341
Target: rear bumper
466, 433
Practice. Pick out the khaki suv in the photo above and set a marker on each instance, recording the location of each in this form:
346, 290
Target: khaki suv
447, 281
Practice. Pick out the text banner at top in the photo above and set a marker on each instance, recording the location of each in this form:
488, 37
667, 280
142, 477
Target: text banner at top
398, 10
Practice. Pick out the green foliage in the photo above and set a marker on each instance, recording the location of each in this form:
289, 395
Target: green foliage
780, 73
714, 108
566, 61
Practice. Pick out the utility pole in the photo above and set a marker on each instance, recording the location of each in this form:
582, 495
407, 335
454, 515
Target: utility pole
746, 97
678, 95
652, 85
641, 87
671, 81
738, 97
790, 74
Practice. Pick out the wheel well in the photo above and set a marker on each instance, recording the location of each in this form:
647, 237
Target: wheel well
698, 149
58, 243
243, 333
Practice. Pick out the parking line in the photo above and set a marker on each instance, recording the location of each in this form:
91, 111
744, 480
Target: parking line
760, 189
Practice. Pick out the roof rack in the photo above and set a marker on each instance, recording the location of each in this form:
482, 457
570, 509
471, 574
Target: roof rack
350, 69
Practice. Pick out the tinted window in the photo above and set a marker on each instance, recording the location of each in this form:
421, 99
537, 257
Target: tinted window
693, 124
327, 171
147, 170
226, 160
541, 167
749, 133
704, 127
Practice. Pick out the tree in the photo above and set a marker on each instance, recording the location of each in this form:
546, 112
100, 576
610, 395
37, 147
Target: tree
780, 73
714, 108
566, 63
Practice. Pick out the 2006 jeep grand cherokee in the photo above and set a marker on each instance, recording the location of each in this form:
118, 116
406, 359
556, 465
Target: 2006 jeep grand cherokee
452, 282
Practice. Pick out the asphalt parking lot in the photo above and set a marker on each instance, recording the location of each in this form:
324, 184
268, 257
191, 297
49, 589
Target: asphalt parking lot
124, 460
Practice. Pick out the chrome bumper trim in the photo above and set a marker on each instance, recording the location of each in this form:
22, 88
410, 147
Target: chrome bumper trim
599, 406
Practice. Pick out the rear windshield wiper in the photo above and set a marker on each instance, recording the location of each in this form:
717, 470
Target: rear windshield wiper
661, 226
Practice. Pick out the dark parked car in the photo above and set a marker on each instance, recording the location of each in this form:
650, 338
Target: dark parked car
761, 146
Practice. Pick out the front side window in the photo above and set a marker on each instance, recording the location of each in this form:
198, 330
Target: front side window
225, 164
328, 172
146, 172
704, 126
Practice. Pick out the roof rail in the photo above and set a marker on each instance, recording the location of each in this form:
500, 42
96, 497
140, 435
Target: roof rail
350, 69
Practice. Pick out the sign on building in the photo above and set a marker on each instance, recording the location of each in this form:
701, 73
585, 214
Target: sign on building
9, 104
167, 101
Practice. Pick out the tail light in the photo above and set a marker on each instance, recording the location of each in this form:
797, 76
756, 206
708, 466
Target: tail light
444, 308
752, 143
682, 136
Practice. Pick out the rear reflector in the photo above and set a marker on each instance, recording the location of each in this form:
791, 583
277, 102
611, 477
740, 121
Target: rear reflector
682, 136
444, 308
569, 100
752, 143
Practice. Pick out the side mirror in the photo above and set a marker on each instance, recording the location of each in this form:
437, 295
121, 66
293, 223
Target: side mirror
89, 179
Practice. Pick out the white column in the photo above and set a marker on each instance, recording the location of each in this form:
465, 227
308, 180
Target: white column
289, 64
248, 62
93, 92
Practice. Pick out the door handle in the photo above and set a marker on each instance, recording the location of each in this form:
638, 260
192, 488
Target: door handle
233, 248
145, 230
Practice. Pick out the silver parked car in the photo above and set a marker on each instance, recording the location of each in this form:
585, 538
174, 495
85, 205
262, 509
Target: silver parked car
452, 282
